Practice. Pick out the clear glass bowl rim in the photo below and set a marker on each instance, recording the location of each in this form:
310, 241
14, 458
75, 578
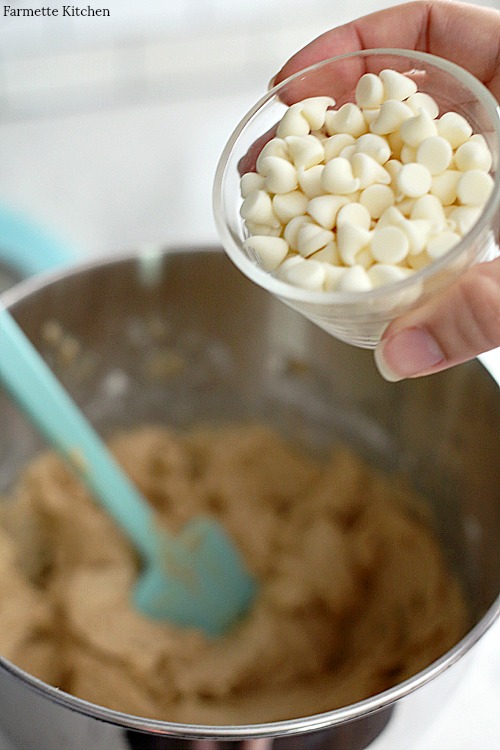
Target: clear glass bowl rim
287, 291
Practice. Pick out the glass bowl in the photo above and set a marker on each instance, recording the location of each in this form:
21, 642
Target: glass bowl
360, 317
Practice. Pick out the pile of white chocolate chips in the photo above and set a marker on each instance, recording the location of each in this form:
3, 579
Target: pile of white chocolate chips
353, 198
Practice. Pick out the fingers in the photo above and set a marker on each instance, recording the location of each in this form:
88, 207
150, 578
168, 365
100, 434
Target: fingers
425, 25
464, 321
459, 324
400, 26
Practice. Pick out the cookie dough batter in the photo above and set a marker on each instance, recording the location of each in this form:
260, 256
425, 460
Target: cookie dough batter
355, 595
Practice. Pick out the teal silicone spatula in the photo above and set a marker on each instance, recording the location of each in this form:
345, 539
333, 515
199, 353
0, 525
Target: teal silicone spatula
195, 578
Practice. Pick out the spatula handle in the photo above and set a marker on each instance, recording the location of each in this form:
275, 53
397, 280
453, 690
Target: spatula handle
33, 386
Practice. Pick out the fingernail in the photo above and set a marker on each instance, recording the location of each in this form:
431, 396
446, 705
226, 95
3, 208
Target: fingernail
270, 85
410, 352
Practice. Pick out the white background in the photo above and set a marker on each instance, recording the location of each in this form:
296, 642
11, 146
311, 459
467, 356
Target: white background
110, 132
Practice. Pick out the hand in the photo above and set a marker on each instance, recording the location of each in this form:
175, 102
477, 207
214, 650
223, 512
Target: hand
464, 320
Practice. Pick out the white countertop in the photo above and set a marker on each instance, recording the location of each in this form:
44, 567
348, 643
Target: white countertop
114, 143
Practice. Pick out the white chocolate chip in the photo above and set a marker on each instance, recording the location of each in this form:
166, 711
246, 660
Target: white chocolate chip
413, 180
258, 207
416, 262
325, 208
305, 150
333, 274
336, 143
350, 240
429, 207
370, 115
381, 274
370, 91
293, 122
435, 153
392, 167
439, 244
348, 119
254, 228
320, 135
280, 176
463, 218
354, 213
418, 232
478, 138
376, 199
314, 110
375, 146
353, 197
397, 85
355, 279
416, 129
454, 128
274, 147
408, 154
368, 171
310, 180
289, 262
420, 100
473, 155
396, 144
348, 152
328, 254
311, 238
288, 205
474, 187
249, 182
337, 177
405, 205
392, 115
364, 257
309, 275
291, 231
444, 186
392, 216
269, 251
389, 245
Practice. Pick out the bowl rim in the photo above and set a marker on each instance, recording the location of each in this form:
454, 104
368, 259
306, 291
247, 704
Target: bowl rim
345, 298
301, 725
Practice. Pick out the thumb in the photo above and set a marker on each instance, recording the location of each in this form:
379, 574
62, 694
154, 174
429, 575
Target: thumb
460, 323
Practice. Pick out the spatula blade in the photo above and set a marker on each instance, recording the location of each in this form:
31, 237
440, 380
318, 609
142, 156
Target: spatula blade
202, 582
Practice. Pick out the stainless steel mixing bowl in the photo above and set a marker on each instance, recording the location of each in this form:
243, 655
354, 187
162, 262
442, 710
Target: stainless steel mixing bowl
245, 353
